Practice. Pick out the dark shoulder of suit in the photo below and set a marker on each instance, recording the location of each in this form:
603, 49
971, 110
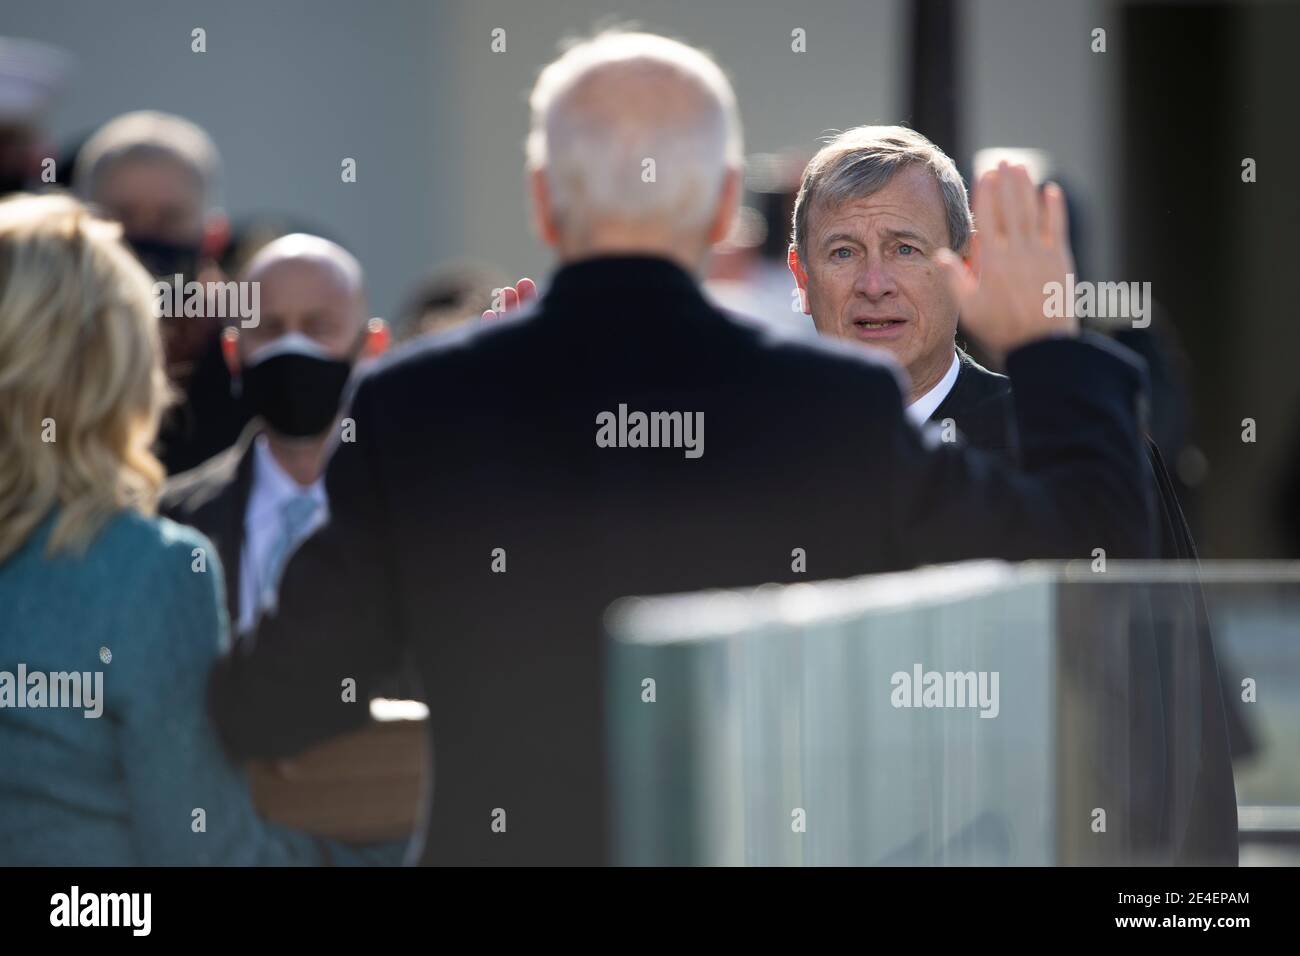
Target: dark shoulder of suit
194, 497
980, 406
213, 498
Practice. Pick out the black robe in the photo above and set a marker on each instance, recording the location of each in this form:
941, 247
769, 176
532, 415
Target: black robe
1199, 827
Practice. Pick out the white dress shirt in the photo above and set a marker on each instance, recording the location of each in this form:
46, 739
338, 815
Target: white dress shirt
919, 412
272, 486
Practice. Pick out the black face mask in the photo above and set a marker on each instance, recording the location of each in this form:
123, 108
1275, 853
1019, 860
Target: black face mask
165, 259
294, 386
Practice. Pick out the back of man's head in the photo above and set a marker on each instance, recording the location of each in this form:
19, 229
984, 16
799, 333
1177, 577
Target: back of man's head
633, 132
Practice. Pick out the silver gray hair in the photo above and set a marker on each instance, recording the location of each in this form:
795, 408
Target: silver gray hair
862, 160
609, 104
147, 134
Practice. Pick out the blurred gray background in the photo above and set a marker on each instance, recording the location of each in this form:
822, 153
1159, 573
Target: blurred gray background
436, 121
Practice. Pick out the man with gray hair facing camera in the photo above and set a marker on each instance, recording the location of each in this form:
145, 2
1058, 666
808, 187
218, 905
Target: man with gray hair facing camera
879, 219
479, 524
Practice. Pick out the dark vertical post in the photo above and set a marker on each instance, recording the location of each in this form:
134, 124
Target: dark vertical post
934, 70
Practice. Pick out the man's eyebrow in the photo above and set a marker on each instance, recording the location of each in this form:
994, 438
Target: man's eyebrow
909, 234
906, 234
835, 237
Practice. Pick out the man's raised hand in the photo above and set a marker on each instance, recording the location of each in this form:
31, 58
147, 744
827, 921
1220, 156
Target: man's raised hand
1021, 244
512, 298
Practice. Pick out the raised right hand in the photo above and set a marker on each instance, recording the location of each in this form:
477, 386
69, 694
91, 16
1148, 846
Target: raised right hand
511, 298
1021, 244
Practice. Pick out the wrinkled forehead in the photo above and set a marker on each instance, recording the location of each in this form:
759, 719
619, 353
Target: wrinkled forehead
910, 200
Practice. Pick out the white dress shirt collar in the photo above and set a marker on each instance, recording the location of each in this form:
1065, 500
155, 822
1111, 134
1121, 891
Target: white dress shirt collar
919, 412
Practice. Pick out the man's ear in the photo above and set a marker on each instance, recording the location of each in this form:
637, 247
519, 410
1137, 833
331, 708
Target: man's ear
728, 203
378, 338
543, 212
230, 349
971, 254
800, 278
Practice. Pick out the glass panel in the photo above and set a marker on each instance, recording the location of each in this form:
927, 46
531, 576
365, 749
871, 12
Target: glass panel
973, 714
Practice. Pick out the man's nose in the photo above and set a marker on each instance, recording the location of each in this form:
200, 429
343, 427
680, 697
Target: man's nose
875, 280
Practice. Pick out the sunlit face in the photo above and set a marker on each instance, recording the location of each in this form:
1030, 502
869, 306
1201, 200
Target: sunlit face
871, 274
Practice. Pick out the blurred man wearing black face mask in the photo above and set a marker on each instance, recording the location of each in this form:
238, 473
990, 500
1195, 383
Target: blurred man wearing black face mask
157, 175
258, 499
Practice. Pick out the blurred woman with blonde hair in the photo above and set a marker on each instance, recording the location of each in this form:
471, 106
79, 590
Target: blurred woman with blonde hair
109, 617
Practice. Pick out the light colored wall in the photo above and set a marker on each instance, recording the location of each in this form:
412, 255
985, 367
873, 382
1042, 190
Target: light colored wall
1034, 81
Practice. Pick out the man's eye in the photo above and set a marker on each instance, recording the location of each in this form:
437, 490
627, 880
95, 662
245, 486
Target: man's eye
906, 250
835, 253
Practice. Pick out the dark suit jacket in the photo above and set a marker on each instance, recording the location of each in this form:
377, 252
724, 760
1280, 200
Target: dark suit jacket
214, 498
482, 445
1193, 817
980, 405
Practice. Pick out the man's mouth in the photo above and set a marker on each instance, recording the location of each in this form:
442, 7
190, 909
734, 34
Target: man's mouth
873, 327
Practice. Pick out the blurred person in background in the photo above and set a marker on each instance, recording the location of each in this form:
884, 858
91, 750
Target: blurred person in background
491, 509
31, 75
158, 175
93, 585
259, 498
879, 211
748, 272
448, 298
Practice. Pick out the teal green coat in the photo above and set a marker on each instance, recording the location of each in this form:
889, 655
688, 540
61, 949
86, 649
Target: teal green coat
145, 782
